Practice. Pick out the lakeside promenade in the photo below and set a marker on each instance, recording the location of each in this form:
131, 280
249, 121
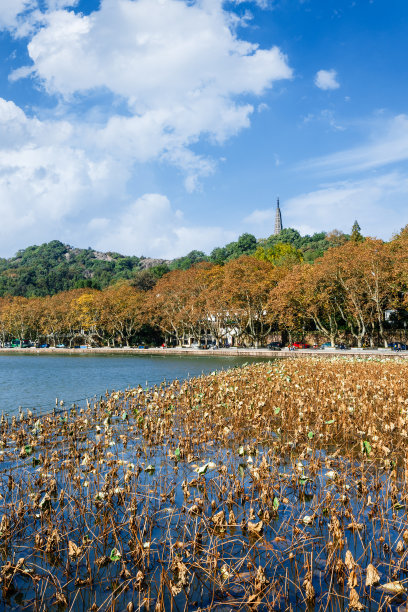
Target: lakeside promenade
230, 352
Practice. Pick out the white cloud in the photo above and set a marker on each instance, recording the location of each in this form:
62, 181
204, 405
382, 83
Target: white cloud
50, 186
262, 107
11, 9
151, 226
377, 198
260, 217
326, 79
174, 72
55, 5
326, 117
148, 50
376, 203
179, 66
46, 181
262, 3
388, 145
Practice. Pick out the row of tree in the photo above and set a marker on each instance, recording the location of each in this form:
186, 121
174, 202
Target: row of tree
54, 267
355, 291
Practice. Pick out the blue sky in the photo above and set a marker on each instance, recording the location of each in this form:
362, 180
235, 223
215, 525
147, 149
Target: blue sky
160, 126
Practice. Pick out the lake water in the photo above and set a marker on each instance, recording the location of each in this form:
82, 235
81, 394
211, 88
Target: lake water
35, 381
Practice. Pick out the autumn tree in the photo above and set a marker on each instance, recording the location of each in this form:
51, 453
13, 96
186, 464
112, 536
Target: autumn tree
86, 315
54, 317
247, 283
175, 305
306, 298
216, 304
399, 253
363, 272
337, 237
4, 327
17, 317
123, 311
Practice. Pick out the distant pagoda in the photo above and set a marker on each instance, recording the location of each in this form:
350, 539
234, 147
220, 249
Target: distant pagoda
278, 219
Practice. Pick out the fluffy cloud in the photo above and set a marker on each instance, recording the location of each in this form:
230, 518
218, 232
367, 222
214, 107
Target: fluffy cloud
50, 186
46, 182
11, 9
136, 81
151, 51
178, 66
326, 79
150, 225
375, 202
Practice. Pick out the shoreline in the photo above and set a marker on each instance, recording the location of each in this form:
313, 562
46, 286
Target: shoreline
231, 352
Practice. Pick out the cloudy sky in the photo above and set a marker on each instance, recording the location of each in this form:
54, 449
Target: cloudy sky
160, 126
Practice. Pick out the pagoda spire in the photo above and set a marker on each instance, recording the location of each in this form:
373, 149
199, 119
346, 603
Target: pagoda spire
278, 219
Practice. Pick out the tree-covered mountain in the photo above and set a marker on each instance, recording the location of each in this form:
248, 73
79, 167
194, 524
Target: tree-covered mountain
53, 267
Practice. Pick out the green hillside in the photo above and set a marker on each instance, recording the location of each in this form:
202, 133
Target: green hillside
53, 267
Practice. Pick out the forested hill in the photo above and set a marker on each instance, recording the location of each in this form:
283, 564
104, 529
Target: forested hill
54, 266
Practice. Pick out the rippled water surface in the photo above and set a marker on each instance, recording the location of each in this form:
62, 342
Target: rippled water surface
35, 381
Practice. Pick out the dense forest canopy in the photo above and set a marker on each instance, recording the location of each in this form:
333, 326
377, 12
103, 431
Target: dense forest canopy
357, 292
54, 267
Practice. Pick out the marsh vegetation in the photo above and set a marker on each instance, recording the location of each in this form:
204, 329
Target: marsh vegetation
275, 486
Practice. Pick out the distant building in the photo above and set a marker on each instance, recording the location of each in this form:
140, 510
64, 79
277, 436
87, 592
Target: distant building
278, 219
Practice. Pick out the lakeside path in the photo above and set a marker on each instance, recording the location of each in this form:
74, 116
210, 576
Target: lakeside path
231, 352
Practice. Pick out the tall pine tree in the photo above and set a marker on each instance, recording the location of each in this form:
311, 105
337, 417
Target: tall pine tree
356, 235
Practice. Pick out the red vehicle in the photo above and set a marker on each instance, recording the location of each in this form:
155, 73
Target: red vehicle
299, 345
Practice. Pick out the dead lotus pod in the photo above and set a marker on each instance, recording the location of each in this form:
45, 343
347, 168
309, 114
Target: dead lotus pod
261, 580
52, 541
125, 574
355, 603
60, 599
309, 590
4, 525
73, 550
352, 579
372, 577
355, 526
349, 560
139, 579
255, 527
219, 520
400, 547
39, 541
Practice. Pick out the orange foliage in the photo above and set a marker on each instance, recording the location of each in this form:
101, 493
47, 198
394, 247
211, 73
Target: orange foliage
347, 291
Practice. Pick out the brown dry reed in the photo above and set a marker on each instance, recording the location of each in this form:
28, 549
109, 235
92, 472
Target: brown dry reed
277, 486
